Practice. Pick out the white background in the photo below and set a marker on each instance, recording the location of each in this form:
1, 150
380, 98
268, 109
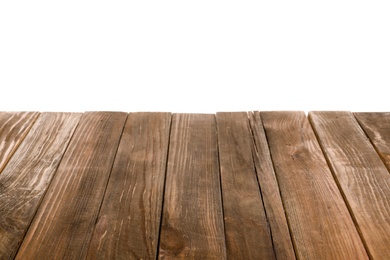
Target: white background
194, 56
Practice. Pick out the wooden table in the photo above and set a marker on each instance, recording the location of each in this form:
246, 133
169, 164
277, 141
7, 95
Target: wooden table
241, 185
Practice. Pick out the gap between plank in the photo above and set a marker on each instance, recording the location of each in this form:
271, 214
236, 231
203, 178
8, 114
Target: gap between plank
88, 244
13, 151
254, 150
372, 143
220, 182
164, 185
340, 189
280, 192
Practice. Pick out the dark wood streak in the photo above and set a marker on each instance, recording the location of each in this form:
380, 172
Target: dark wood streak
28, 174
64, 222
320, 224
129, 220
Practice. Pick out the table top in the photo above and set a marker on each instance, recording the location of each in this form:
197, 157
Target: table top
239, 185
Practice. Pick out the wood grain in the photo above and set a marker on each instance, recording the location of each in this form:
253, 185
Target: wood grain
377, 127
247, 232
28, 174
192, 224
321, 226
110, 185
64, 222
129, 220
14, 126
362, 176
270, 191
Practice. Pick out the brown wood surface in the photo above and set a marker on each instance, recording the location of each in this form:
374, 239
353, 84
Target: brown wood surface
362, 176
192, 224
377, 127
270, 191
129, 220
113, 185
247, 232
14, 126
320, 224
64, 222
27, 175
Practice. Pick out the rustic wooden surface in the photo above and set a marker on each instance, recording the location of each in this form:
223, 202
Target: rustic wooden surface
257, 185
63, 225
129, 220
377, 127
247, 232
321, 226
270, 190
362, 176
13, 128
26, 177
192, 221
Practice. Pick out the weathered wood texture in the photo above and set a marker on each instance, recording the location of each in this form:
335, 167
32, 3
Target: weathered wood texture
129, 221
361, 175
266, 185
270, 190
28, 174
13, 128
192, 224
321, 226
377, 127
64, 223
247, 232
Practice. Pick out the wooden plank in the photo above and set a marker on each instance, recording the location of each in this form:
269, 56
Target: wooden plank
28, 174
192, 221
64, 222
129, 220
361, 175
320, 224
247, 233
270, 191
14, 126
377, 127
